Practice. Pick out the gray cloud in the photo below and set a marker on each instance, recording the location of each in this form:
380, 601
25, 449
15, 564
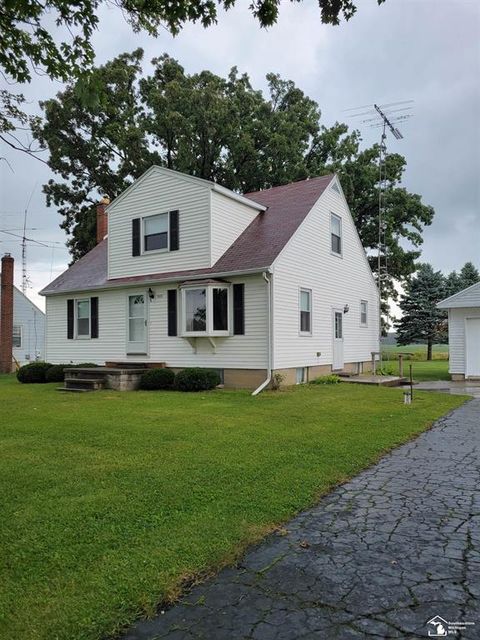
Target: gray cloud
428, 51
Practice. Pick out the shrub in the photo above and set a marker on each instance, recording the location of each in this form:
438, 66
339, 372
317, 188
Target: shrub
82, 365
195, 379
55, 373
277, 380
157, 379
330, 379
33, 373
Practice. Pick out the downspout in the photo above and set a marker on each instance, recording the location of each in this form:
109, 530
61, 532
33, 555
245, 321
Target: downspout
267, 276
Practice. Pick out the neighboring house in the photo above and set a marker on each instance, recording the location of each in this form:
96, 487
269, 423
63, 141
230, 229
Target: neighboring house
192, 274
464, 332
28, 329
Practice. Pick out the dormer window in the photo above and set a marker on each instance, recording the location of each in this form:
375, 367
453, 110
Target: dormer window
159, 232
206, 310
155, 232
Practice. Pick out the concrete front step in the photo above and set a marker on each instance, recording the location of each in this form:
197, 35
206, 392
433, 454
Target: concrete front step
93, 378
90, 384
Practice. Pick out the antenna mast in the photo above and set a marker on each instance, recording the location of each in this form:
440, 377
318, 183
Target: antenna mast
24, 245
384, 116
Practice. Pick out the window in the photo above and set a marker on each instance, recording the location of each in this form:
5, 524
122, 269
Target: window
336, 234
155, 232
305, 311
195, 310
206, 310
83, 318
17, 336
338, 325
363, 312
301, 375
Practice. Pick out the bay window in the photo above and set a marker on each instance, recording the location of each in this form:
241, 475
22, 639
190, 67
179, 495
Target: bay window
206, 310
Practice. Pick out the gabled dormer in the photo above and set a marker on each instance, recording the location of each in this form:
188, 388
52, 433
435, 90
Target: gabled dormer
168, 221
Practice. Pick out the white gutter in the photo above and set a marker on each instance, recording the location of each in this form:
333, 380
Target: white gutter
266, 382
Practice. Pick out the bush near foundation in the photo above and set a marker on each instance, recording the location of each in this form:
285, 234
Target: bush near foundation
330, 379
196, 379
56, 373
158, 378
33, 373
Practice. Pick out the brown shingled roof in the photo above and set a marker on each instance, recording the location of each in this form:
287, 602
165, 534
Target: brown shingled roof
256, 248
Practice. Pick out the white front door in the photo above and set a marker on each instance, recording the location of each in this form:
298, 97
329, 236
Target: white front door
337, 363
472, 347
137, 324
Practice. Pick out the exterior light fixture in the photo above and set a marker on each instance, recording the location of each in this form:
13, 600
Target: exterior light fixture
346, 309
151, 293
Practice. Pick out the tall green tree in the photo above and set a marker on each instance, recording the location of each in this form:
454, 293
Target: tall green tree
219, 129
468, 275
421, 320
455, 282
29, 42
33, 41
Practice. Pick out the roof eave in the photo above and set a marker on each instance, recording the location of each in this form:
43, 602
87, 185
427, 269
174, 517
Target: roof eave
111, 285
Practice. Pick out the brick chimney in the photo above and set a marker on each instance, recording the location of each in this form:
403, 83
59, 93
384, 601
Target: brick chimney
6, 314
102, 218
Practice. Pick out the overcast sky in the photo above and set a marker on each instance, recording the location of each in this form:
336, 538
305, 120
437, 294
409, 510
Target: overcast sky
425, 50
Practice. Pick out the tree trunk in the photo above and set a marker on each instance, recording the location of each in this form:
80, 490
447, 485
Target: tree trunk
429, 350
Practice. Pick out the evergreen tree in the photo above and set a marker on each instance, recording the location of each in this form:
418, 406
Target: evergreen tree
421, 320
468, 275
452, 284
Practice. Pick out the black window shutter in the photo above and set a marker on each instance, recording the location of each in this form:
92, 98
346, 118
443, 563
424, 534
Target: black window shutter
136, 237
239, 309
94, 317
174, 231
172, 312
70, 320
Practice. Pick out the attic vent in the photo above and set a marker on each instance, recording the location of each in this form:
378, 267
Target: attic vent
335, 187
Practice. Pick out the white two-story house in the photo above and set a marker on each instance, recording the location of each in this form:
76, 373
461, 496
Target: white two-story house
192, 274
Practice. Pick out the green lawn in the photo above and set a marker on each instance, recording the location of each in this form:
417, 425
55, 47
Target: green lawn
440, 351
422, 370
109, 500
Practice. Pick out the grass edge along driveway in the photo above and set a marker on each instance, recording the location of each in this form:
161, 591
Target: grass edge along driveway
111, 500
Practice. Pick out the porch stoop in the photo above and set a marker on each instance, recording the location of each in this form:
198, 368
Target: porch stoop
95, 378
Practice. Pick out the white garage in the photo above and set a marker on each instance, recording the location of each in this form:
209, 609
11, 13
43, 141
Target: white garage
464, 332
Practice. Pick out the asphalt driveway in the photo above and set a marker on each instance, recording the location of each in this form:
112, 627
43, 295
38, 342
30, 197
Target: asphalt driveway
380, 557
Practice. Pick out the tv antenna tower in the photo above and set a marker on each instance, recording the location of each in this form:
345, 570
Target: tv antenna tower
386, 117
25, 280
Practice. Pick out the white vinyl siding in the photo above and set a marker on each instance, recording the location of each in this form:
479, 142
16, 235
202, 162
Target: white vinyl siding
247, 351
457, 338
229, 219
29, 325
155, 193
469, 297
307, 261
